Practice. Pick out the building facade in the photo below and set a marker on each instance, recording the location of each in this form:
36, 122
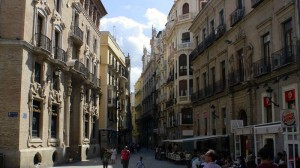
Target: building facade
246, 75
51, 109
114, 111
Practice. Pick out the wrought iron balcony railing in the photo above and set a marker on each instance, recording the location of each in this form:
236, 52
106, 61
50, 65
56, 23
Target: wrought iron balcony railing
283, 57
43, 42
59, 54
209, 39
170, 102
220, 85
261, 67
80, 67
221, 29
78, 32
236, 16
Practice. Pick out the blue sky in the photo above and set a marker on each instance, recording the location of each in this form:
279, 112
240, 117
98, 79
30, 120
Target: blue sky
130, 21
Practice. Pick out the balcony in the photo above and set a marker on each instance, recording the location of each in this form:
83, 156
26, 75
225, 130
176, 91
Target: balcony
255, 3
234, 78
199, 95
184, 45
283, 57
170, 78
221, 29
43, 42
209, 39
185, 17
79, 67
236, 16
261, 67
77, 35
60, 54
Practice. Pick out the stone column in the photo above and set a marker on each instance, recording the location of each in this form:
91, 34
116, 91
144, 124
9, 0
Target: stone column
81, 117
68, 91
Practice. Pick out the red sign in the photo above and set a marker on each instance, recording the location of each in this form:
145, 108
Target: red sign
290, 95
267, 102
288, 117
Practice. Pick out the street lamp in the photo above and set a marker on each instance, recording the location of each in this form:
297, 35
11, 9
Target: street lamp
269, 95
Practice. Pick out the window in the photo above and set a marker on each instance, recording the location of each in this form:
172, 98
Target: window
224, 121
94, 131
212, 26
197, 40
182, 65
56, 45
268, 113
191, 86
86, 126
86, 95
185, 8
221, 16
40, 24
266, 48
36, 116
213, 78
240, 54
223, 74
54, 121
239, 4
182, 88
203, 34
185, 37
57, 6
88, 37
94, 99
287, 34
95, 46
204, 81
37, 72
187, 116
55, 81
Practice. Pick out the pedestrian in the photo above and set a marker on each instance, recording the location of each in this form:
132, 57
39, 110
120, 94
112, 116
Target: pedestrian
125, 156
265, 159
106, 157
113, 155
140, 163
210, 158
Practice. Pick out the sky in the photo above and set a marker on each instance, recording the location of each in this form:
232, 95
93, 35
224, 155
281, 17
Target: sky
130, 22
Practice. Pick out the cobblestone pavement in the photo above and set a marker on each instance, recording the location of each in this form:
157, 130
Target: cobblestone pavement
148, 156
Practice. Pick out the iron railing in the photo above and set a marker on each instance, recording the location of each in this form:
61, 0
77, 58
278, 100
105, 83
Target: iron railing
236, 16
170, 102
80, 67
221, 29
220, 85
43, 42
209, 39
59, 54
261, 67
78, 32
283, 57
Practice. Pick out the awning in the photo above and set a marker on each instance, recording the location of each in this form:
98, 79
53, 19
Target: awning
269, 128
243, 130
197, 138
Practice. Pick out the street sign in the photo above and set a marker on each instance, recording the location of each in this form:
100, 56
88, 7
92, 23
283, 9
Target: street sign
12, 114
288, 117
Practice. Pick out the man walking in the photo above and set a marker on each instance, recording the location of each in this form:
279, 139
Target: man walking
125, 156
210, 157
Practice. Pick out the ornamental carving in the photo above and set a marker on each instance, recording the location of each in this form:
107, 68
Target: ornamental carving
42, 4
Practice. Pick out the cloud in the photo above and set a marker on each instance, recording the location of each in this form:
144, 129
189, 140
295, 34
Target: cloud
132, 36
156, 18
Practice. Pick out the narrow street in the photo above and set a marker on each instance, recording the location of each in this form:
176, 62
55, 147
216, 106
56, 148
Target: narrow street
148, 157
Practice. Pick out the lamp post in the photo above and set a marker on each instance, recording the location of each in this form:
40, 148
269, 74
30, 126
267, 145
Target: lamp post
269, 91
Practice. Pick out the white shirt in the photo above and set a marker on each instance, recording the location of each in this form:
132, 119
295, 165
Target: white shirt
196, 162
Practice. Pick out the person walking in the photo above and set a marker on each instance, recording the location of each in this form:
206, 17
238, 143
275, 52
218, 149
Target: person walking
140, 163
106, 157
265, 157
210, 158
125, 156
113, 155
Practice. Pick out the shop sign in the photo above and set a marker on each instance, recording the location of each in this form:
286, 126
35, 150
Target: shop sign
289, 95
288, 117
266, 102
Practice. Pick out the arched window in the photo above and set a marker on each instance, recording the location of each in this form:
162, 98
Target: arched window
185, 8
182, 65
243, 116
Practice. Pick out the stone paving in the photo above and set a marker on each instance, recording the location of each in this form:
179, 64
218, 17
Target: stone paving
148, 156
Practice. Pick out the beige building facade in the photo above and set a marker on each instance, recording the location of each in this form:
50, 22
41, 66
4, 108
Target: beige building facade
50, 60
114, 105
245, 63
